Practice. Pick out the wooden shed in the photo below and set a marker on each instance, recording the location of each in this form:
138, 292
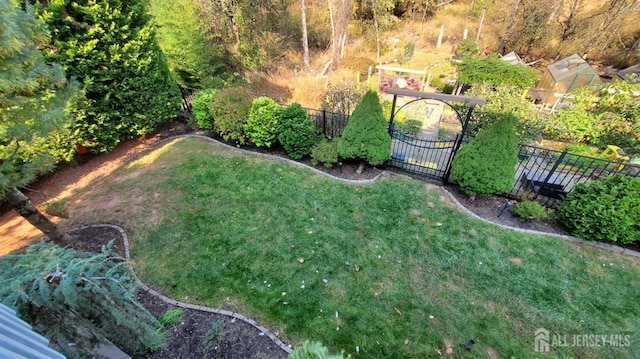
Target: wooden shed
563, 76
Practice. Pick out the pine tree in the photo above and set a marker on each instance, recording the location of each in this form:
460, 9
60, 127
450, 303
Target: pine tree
366, 136
78, 297
33, 98
487, 164
110, 47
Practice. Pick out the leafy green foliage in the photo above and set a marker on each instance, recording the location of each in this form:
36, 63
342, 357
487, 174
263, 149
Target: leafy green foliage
486, 165
297, 133
604, 209
59, 289
325, 152
193, 59
493, 71
506, 102
110, 47
468, 47
312, 350
263, 125
230, 109
610, 116
201, 102
34, 122
366, 136
528, 210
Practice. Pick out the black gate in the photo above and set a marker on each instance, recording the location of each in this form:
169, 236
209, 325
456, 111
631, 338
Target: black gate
423, 157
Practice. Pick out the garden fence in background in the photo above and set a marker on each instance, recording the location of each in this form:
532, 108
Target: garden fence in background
542, 174
548, 175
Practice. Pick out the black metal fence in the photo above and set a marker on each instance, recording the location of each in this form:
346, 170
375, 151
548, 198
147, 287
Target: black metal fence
186, 108
331, 124
429, 159
547, 175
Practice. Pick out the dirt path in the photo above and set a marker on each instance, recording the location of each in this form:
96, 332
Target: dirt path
16, 233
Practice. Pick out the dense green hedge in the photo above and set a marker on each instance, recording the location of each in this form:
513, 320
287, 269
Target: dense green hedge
110, 47
604, 209
263, 125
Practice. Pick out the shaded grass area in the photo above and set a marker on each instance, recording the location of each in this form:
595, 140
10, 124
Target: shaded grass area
388, 267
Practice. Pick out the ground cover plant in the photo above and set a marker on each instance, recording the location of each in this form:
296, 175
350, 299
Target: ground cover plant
388, 267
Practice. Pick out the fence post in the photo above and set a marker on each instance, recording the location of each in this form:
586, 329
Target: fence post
324, 122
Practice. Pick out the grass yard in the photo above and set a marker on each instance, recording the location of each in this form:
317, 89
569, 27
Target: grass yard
389, 267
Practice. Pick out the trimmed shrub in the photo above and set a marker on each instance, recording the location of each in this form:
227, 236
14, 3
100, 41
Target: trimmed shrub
604, 209
201, 111
263, 124
325, 152
230, 109
528, 210
366, 136
297, 134
487, 164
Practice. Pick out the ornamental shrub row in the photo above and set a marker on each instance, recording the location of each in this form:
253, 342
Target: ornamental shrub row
235, 115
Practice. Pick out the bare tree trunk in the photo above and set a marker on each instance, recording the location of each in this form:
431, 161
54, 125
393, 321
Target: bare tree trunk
23, 205
305, 39
484, 9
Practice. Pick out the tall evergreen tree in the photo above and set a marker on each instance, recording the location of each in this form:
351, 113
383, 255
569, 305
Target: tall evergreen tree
110, 47
33, 98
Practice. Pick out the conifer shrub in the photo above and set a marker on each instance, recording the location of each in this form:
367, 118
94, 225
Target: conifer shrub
230, 109
201, 111
487, 164
60, 290
297, 133
263, 125
604, 209
325, 152
366, 136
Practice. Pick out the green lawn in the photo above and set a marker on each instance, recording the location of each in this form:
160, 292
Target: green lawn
281, 244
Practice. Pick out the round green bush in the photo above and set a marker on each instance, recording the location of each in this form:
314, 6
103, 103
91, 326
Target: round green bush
528, 210
200, 104
297, 134
604, 209
325, 152
230, 109
263, 125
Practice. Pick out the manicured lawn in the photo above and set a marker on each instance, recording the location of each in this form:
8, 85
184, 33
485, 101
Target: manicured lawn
388, 267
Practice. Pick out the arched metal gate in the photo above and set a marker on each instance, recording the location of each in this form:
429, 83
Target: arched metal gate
425, 157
